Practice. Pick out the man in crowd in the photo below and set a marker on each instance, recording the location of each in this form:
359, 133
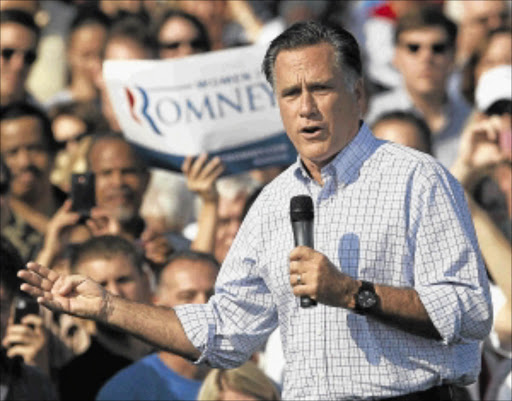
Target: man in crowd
115, 264
405, 128
425, 55
233, 194
19, 36
121, 179
478, 19
403, 299
27, 147
188, 278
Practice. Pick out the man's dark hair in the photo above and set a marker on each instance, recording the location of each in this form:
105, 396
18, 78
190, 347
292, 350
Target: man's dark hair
202, 32
426, 18
190, 255
20, 17
14, 111
411, 118
132, 28
89, 16
106, 247
303, 34
11, 263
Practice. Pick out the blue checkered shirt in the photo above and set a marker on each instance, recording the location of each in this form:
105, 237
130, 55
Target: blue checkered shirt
386, 214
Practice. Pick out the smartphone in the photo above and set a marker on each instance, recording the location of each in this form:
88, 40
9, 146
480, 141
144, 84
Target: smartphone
83, 193
24, 306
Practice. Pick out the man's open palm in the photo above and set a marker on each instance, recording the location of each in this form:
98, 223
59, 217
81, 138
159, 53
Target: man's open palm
74, 294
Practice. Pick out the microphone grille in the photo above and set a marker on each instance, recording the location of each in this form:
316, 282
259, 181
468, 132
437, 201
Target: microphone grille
301, 208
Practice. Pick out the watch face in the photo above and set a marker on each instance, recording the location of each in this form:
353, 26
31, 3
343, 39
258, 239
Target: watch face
366, 299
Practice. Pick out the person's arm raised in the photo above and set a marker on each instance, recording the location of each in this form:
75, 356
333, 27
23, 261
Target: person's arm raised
80, 296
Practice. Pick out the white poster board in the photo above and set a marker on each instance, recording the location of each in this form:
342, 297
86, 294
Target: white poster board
217, 102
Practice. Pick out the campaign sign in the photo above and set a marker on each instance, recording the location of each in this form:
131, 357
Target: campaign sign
218, 103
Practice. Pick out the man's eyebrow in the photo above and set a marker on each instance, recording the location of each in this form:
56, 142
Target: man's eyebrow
291, 89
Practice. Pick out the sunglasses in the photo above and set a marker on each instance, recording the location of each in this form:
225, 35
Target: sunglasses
29, 56
436, 48
197, 44
77, 138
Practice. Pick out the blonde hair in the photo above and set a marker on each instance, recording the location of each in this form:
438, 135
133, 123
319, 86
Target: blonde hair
247, 379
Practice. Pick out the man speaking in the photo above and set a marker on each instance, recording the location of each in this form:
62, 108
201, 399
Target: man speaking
401, 293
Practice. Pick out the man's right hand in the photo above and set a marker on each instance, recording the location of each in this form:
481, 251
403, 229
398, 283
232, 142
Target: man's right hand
74, 294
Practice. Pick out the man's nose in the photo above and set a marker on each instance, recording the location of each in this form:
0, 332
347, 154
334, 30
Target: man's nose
113, 288
23, 158
116, 178
17, 62
307, 105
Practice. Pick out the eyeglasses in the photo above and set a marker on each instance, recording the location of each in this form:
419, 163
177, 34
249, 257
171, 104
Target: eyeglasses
29, 56
197, 44
436, 48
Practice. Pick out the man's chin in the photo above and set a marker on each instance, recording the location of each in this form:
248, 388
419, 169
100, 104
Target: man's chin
124, 213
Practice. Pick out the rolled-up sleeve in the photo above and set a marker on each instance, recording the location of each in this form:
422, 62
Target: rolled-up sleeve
449, 272
241, 315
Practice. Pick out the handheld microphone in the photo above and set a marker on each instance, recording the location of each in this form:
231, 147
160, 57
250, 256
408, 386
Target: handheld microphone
301, 215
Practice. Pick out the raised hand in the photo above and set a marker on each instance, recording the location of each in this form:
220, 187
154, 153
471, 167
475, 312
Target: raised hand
479, 150
28, 340
63, 218
202, 176
156, 247
73, 294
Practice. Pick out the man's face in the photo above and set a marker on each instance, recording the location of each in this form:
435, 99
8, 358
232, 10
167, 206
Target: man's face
117, 275
229, 220
18, 52
120, 180
319, 113
186, 281
402, 132
85, 51
25, 153
481, 17
425, 60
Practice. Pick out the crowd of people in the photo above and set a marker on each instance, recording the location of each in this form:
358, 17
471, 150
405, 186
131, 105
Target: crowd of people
437, 79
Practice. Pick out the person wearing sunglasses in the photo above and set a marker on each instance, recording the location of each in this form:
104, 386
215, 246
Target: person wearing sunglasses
19, 36
425, 56
180, 34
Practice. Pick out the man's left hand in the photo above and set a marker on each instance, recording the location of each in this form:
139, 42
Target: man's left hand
320, 279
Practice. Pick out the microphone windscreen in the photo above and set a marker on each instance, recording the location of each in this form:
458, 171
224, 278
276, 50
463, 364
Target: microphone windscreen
301, 208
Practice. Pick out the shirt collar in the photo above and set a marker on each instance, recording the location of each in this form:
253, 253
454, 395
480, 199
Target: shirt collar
347, 163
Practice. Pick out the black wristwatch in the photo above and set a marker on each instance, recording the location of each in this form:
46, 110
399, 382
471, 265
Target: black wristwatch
366, 298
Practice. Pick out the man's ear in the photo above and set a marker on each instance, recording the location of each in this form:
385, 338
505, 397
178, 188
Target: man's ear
360, 94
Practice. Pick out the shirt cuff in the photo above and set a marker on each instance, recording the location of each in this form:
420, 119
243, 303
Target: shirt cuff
199, 325
442, 305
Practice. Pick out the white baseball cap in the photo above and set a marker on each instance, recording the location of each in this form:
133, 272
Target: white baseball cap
494, 84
